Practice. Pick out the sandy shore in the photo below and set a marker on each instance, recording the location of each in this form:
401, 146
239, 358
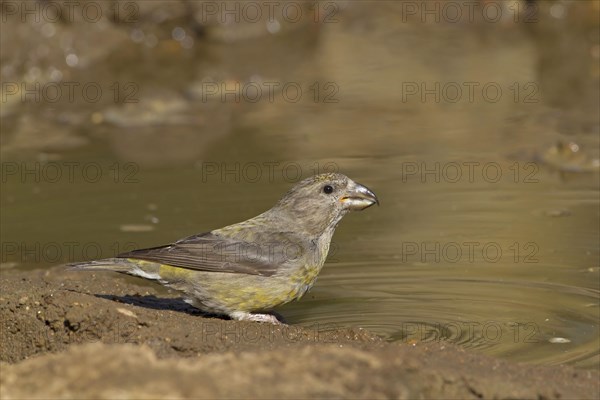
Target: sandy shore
103, 335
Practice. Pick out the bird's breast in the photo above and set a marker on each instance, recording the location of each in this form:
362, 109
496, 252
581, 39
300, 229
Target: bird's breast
303, 275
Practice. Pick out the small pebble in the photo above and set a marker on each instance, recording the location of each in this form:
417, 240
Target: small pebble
126, 312
136, 228
557, 213
559, 340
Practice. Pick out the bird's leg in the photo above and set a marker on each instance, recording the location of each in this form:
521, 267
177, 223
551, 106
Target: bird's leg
246, 316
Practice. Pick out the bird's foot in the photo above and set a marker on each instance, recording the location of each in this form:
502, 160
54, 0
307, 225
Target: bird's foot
246, 316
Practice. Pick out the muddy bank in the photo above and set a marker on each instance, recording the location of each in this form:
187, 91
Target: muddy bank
74, 335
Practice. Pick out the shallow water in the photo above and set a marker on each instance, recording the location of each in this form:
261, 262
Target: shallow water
489, 268
480, 239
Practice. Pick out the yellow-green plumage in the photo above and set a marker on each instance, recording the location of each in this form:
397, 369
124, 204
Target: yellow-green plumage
258, 264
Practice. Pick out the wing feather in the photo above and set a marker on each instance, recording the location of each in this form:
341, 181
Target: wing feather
211, 252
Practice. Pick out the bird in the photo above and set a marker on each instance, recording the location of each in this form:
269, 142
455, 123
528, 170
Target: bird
246, 269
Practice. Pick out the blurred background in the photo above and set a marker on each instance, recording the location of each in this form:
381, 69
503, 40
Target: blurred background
129, 124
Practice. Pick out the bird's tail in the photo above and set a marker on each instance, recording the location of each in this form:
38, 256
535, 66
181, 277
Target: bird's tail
106, 264
144, 269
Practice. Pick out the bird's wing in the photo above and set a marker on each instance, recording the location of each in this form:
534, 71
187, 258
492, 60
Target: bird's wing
215, 253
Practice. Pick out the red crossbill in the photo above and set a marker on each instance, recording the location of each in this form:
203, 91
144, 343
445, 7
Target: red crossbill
257, 264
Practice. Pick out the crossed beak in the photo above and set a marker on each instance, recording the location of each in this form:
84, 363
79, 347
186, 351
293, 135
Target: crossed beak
358, 197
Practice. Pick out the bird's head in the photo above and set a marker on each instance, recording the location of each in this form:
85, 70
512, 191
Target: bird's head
319, 202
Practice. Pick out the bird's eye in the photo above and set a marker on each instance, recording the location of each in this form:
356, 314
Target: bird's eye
328, 189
